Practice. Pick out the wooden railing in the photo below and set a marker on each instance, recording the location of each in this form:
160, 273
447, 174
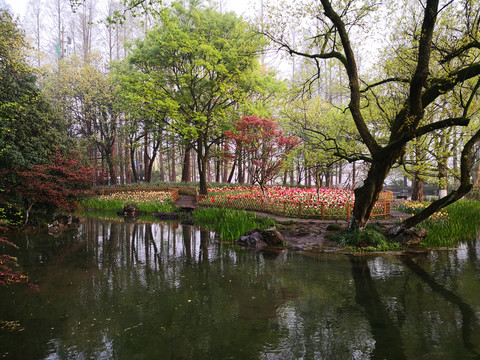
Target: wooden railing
306, 210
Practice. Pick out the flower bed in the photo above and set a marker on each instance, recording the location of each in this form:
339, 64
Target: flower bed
147, 201
143, 192
138, 197
291, 202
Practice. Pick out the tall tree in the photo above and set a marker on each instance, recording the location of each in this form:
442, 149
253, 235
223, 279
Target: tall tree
29, 128
440, 66
198, 63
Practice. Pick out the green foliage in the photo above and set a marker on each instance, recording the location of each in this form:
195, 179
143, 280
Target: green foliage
189, 73
230, 224
334, 227
29, 128
370, 237
463, 225
10, 215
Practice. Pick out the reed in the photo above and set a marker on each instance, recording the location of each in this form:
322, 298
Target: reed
463, 225
230, 224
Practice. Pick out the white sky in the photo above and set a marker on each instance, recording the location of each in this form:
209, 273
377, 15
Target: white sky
239, 6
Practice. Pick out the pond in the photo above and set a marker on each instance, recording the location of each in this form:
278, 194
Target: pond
119, 290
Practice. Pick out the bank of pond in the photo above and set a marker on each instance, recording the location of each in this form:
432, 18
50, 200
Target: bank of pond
121, 289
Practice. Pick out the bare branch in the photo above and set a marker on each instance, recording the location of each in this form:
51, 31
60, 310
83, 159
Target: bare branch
385, 81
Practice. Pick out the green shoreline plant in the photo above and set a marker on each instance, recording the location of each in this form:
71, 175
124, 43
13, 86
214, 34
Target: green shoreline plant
463, 225
458, 222
230, 224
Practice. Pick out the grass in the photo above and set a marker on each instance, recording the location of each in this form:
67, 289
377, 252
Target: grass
463, 225
230, 224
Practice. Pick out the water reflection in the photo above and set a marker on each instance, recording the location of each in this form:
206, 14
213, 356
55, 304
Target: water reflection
171, 291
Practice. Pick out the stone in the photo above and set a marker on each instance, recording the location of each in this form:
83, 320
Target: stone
259, 239
411, 237
129, 210
272, 237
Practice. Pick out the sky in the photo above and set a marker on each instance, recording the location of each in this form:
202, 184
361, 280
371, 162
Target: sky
239, 6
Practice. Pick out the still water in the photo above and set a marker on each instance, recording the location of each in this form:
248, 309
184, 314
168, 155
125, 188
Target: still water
116, 290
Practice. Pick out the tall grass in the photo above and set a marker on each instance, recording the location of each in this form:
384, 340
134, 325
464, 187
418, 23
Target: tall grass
463, 225
230, 224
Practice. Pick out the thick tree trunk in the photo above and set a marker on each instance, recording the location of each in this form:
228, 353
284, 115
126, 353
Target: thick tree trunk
111, 169
417, 193
367, 195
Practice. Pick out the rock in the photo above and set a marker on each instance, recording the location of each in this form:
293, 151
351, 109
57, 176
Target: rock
129, 210
412, 236
272, 237
166, 215
259, 239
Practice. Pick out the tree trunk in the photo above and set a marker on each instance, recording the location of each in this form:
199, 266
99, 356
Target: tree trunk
232, 172
241, 170
202, 156
367, 195
187, 168
132, 163
174, 173
162, 168
146, 158
466, 165
417, 193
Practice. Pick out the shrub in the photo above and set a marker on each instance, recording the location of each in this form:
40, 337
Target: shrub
368, 237
334, 227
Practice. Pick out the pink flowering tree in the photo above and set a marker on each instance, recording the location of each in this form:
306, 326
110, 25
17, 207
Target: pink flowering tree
261, 144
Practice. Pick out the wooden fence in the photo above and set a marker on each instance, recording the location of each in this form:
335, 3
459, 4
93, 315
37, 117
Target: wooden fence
305, 210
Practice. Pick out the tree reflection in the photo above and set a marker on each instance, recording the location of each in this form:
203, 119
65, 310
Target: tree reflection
168, 290
469, 321
388, 340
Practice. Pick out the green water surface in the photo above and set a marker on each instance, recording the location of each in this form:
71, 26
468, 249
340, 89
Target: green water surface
116, 290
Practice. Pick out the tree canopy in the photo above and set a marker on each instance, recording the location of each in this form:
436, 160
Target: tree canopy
438, 66
29, 127
195, 67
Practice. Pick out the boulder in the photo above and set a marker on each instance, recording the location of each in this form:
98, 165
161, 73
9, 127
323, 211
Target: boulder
272, 237
129, 210
259, 239
411, 237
